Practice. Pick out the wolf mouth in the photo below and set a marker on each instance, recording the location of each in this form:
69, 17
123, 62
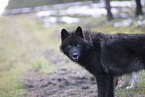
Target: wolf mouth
75, 57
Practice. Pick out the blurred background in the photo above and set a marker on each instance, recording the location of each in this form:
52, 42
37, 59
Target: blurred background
31, 64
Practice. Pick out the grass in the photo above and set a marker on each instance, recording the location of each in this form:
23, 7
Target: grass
20, 48
43, 65
22, 41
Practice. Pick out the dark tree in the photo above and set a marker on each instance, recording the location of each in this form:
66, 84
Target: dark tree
108, 8
138, 8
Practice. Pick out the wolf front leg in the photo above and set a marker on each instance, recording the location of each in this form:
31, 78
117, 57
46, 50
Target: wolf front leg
105, 84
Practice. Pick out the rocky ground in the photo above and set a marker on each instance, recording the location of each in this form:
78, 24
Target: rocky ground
67, 80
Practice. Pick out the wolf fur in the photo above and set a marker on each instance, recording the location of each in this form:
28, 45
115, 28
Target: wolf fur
104, 55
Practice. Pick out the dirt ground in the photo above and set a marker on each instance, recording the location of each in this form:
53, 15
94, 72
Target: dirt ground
67, 80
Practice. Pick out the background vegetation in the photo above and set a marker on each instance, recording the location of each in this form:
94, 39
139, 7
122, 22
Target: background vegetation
33, 3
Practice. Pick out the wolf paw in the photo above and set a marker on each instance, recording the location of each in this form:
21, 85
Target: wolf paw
130, 87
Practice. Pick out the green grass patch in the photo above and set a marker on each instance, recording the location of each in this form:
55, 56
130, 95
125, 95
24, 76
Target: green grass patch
43, 65
12, 82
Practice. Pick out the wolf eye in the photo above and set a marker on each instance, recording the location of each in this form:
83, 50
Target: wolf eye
69, 46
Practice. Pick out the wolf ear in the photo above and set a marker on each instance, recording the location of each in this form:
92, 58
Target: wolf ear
64, 34
79, 32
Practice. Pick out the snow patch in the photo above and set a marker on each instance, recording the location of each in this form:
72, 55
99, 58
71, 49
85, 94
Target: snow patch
140, 22
45, 13
124, 23
69, 20
123, 4
47, 21
123, 15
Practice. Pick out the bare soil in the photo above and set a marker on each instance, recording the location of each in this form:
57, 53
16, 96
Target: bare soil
67, 80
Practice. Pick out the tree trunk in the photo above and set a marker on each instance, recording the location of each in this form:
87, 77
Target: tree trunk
138, 8
108, 8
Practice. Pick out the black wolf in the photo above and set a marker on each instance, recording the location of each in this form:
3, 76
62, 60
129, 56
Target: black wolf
105, 55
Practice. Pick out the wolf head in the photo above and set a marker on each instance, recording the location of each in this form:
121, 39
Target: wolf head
74, 44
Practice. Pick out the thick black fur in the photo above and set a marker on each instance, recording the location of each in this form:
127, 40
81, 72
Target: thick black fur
105, 55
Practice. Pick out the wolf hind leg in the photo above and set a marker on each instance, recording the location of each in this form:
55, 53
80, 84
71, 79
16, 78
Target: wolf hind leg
127, 80
135, 77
